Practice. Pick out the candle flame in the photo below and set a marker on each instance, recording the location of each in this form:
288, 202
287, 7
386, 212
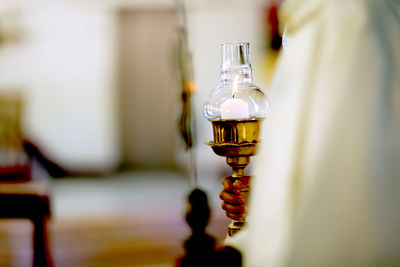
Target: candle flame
235, 86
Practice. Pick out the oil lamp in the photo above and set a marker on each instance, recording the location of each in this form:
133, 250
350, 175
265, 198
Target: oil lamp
236, 109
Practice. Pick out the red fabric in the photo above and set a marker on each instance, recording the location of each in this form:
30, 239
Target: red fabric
15, 173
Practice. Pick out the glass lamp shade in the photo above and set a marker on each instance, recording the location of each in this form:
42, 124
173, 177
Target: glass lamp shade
236, 97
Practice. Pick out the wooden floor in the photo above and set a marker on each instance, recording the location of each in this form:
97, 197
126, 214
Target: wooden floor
134, 219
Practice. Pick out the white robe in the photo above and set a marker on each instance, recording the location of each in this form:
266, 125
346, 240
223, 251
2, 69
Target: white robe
326, 190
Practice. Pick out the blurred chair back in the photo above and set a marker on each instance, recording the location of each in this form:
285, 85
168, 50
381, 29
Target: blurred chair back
14, 163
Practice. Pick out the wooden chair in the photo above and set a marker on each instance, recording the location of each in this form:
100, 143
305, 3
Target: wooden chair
29, 201
20, 197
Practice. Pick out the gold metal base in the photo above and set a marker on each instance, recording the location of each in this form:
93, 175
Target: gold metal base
235, 227
236, 140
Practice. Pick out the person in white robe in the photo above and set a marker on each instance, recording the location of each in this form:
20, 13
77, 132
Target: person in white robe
326, 190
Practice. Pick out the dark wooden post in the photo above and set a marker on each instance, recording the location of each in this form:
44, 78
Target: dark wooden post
41, 254
200, 246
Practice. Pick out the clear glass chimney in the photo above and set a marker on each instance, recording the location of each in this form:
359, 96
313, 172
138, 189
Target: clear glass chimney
236, 97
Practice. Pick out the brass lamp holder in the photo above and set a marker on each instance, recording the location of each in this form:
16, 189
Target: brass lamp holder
237, 141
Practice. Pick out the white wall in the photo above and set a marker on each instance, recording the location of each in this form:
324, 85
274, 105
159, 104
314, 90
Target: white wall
64, 66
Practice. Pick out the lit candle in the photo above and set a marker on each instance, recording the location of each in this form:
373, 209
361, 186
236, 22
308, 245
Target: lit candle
234, 108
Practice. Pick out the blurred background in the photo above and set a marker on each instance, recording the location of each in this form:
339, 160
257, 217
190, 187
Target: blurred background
90, 99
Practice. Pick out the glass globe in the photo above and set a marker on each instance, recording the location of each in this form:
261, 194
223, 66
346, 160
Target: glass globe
236, 97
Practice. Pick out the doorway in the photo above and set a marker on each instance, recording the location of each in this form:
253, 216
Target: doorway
148, 88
